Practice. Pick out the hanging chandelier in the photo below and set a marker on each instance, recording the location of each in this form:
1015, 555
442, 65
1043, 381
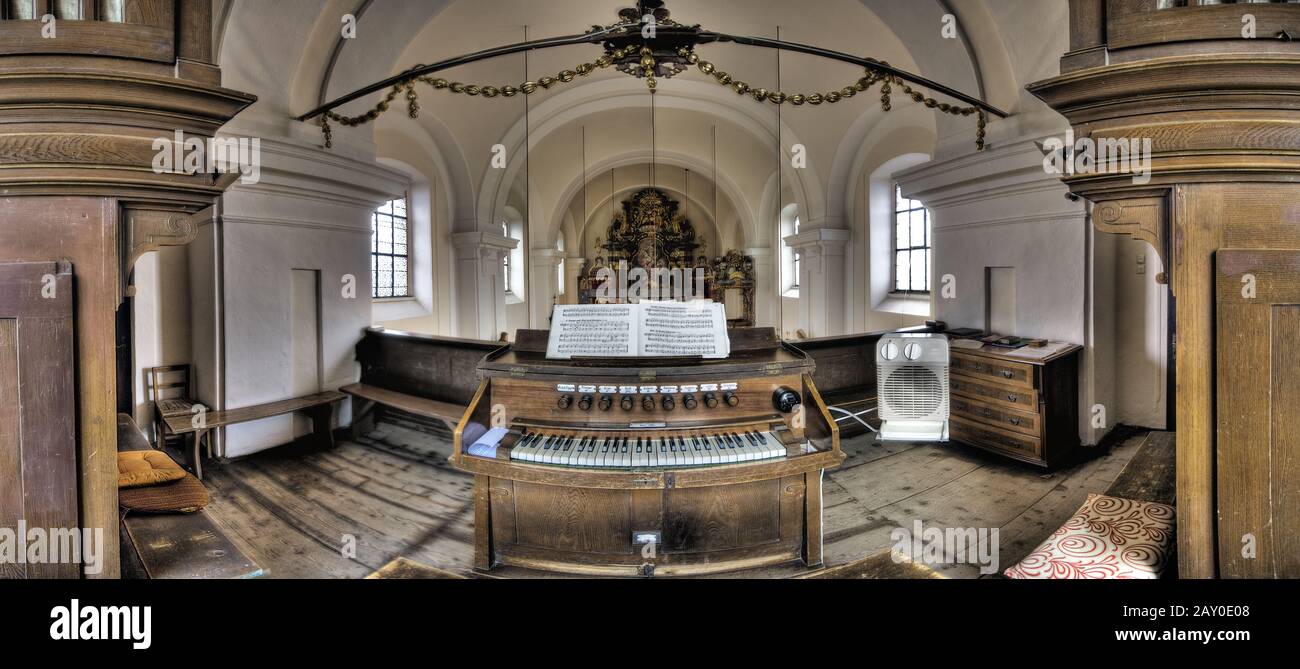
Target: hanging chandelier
648, 44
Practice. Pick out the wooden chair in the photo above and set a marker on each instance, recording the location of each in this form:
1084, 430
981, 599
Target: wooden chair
172, 397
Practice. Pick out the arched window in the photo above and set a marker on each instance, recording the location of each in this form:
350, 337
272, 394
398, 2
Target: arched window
388, 250
505, 260
790, 260
795, 275
911, 245
559, 267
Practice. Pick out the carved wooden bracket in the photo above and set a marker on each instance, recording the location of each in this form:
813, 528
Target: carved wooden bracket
148, 230
1143, 218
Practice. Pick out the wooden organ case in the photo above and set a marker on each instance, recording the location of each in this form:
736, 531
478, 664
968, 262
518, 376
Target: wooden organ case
716, 465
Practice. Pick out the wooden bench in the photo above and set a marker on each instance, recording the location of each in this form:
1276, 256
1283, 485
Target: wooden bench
427, 376
320, 407
372, 396
175, 545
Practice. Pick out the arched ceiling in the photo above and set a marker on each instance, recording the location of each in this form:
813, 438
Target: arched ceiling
290, 74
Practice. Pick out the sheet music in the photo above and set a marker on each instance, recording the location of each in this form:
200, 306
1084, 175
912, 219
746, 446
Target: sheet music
652, 329
684, 329
592, 330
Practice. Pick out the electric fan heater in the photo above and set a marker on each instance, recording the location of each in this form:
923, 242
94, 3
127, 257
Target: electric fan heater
912, 385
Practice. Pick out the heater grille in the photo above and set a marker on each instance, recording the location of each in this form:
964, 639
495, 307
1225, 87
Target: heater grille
913, 391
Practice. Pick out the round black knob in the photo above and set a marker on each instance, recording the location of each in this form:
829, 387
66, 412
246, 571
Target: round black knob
669, 403
605, 402
648, 403
564, 402
785, 400
710, 400
585, 403
626, 402
689, 402
731, 399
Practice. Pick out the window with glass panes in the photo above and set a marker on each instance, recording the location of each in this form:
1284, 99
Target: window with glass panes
911, 245
505, 260
388, 250
795, 283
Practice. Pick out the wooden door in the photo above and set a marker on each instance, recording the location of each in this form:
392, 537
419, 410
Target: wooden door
38, 447
1257, 480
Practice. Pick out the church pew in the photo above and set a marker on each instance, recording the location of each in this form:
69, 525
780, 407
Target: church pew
429, 376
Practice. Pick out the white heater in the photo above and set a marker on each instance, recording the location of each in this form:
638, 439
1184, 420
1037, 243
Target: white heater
912, 386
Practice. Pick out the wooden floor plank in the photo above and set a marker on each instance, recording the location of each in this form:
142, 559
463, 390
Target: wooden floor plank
395, 492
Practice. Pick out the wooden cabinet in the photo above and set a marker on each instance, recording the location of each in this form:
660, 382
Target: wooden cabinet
1024, 409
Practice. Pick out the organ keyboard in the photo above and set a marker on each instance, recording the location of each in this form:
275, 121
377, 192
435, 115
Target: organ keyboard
716, 462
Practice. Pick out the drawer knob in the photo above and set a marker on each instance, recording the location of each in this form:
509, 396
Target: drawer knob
987, 413
1006, 374
1013, 398
1015, 421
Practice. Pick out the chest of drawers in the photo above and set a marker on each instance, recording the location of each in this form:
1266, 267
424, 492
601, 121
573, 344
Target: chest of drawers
1022, 405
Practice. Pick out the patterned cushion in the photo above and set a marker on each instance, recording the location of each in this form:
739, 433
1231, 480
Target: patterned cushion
185, 495
174, 407
141, 468
1108, 537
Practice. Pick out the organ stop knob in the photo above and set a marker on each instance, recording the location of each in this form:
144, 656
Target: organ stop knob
710, 400
731, 399
626, 402
689, 401
606, 402
648, 403
585, 403
564, 402
669, 403
785, 400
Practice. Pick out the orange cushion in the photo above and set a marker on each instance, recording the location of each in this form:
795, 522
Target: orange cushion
185, 495
141, 468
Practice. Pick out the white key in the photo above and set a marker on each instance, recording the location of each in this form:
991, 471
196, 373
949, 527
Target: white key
534, 451
638, 452
733, 453
589, 458
575, 451
746, 447
652, 453
776, 448
603, 458
517, 453
674, 454
626, 450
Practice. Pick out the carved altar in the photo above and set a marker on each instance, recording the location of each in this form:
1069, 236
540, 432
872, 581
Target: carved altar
650, 233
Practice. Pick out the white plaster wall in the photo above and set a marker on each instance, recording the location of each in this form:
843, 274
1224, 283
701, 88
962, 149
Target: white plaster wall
160, 322
311, 210
999, 208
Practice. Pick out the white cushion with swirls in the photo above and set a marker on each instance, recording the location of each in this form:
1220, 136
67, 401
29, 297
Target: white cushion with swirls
1108, 537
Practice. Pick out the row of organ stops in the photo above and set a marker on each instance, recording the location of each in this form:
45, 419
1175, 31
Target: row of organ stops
628, 402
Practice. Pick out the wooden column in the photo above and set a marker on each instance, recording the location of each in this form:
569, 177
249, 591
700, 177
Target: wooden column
79, 116
1222, 115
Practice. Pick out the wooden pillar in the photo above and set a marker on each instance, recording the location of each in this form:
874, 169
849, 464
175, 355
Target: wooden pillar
1221, 126
80, 117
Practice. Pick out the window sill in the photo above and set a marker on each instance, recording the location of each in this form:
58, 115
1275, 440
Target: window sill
791, 293
911, 304
392, 300
511, 298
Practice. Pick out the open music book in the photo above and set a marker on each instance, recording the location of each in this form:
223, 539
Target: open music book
645, 329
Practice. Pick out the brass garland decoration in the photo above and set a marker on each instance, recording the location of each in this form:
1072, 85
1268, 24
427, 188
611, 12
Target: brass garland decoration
647, 66
831, 97
438, 83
